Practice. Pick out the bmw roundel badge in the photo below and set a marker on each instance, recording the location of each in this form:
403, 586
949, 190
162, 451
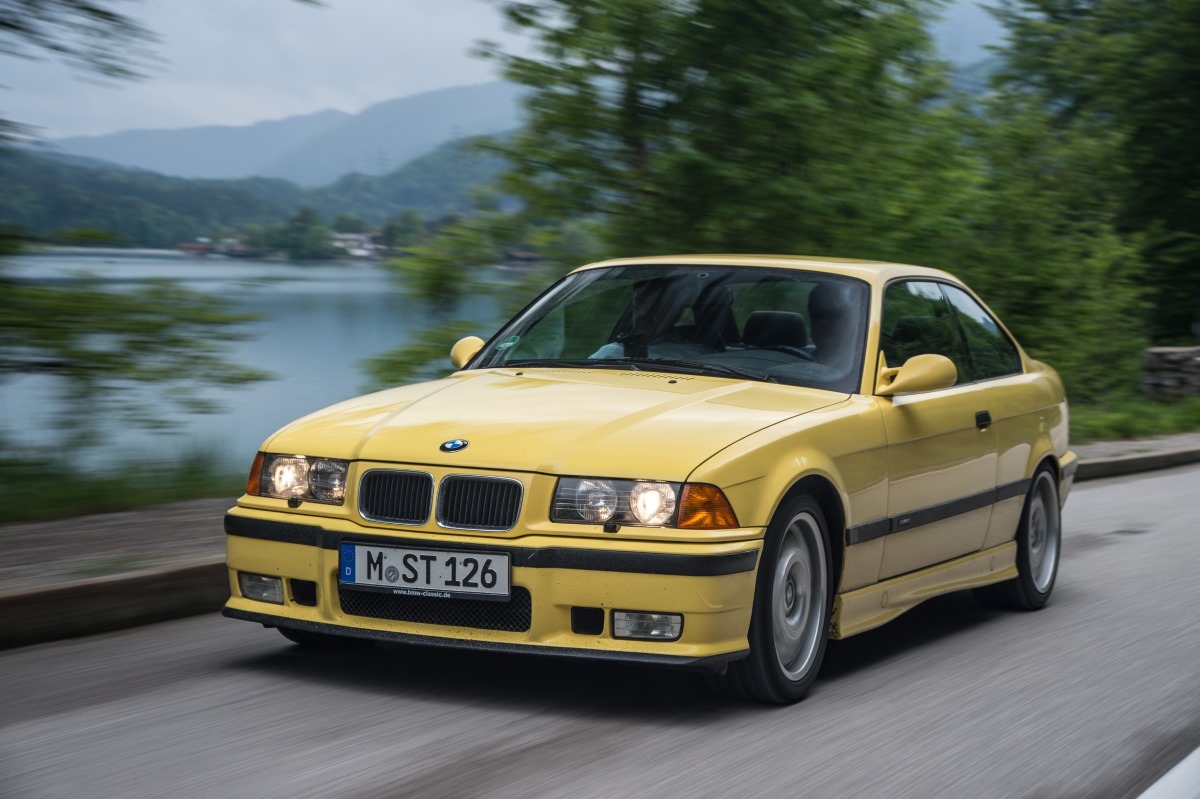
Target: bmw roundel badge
454, 445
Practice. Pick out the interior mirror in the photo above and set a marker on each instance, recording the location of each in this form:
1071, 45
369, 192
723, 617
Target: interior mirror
465, 350
927, 372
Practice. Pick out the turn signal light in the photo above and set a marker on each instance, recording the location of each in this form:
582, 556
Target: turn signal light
254, 481
704, 507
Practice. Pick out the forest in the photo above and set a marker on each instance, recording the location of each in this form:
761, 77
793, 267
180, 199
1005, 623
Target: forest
60, 200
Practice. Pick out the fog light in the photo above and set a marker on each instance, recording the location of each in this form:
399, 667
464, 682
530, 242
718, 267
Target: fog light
260, 587
656, 626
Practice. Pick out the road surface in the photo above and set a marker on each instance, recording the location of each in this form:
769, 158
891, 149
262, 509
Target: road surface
1098, 695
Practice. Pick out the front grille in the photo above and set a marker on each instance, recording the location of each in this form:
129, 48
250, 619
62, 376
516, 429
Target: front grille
467, 502
515, 615
396, 497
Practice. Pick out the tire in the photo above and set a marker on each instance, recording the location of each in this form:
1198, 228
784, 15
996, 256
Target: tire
312, 640
789, 623
1039, 544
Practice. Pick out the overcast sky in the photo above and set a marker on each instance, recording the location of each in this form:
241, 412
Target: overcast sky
233, 62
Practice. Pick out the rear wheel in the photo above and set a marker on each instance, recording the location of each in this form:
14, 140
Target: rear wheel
1039, 540
790, 619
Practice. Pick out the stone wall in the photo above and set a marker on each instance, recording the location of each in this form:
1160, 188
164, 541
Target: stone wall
1172, 372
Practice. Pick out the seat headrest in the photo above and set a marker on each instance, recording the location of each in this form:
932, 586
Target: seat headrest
775, 329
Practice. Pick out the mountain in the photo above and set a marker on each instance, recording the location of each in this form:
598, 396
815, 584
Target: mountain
315, 149
214, 151
396, 131
436, 184
46, 195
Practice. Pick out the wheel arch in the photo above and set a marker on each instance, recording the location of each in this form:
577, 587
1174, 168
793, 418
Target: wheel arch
827, 497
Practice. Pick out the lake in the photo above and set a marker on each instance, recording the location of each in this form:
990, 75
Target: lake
320, 322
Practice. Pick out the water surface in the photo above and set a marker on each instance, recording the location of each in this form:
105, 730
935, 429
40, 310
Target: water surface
320, 322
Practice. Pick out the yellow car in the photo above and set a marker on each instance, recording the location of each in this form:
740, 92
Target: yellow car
710, 461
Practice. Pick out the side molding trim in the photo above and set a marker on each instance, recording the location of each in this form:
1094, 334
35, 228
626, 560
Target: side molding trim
860, 533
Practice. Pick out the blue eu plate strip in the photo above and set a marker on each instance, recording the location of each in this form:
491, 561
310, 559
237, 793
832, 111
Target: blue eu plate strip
346, 564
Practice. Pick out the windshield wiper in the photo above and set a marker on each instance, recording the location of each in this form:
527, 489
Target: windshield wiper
639, 364
583, 363
703, 367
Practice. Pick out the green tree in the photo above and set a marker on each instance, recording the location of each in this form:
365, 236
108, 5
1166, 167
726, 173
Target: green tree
721, 125
348, 223
1038, 240
305, 237
451, 266
405, 229
1127, 72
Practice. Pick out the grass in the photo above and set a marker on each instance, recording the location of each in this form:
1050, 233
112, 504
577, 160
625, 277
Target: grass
45, 487
1134, 417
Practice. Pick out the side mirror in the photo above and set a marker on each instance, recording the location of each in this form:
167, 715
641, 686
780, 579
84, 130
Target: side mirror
927, 372
465, 350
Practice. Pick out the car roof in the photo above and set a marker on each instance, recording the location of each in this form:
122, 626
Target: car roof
875, 272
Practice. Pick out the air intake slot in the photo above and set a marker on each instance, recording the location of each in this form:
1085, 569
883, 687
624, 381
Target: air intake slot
469, 502
395, 497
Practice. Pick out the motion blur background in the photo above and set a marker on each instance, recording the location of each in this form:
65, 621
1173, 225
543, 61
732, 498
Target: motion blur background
218, 216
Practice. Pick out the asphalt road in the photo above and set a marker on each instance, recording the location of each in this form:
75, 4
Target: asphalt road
1098, 695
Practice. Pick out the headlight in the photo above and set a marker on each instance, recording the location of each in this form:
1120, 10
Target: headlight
644, 503
298, 477
591, 500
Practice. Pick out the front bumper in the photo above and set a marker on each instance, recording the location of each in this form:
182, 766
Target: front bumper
711, 585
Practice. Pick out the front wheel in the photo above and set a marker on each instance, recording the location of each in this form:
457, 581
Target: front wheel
790, 619
1039, 540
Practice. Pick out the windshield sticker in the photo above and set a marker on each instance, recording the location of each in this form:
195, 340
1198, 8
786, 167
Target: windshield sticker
508, 343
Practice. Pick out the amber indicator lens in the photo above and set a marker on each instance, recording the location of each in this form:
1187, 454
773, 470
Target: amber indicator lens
704, 507
254, 481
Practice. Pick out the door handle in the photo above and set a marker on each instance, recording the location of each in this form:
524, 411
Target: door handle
983, 419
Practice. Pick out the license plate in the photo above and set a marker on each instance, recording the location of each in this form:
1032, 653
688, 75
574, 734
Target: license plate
437, 573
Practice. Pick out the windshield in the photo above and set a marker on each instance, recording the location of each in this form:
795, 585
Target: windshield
778, 325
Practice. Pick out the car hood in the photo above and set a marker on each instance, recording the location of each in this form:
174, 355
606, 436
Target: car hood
556, 421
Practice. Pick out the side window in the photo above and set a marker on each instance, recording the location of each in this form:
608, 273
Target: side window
992, 353
917, 320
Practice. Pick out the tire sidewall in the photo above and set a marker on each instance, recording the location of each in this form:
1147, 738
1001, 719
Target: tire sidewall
1030, 596
764, 664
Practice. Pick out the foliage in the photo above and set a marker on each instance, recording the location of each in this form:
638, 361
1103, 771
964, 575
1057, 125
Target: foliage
1128, 70
1040, 243
403, 230
459, 262
718, 125
89, 35
348, 223
305, 237
44, 196
826, 127
1130, 418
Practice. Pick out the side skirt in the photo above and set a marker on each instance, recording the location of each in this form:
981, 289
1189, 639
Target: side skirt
866, 608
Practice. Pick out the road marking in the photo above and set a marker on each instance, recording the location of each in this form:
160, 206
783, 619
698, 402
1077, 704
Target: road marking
1181, 782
